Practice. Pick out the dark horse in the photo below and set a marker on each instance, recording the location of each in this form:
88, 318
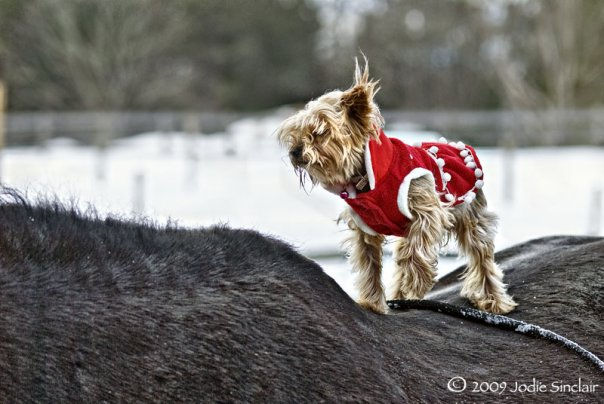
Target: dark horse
102, 309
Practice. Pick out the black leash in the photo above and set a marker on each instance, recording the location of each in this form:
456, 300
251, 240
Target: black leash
499, 321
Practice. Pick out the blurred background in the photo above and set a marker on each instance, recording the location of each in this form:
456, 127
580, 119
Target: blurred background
167, 109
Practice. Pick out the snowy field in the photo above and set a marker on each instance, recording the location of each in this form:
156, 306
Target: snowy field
244, 179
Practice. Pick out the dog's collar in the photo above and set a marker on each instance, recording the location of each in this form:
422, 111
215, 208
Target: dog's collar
358, 183
362, 184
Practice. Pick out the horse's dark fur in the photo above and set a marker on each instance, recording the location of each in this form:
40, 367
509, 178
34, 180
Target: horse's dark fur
98, 309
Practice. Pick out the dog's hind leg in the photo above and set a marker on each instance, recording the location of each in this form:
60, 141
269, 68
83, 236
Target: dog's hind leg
365, 255
483, 280
416, 256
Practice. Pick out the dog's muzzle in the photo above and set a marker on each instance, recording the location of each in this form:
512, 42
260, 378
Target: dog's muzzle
295, 155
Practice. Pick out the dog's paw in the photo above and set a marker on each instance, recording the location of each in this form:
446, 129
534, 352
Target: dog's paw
501, 304
379, 308
408, 295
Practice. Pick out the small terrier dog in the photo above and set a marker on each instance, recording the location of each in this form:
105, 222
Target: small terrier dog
418, 193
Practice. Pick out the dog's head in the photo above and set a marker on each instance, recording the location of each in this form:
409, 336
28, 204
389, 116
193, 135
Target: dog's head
326, 140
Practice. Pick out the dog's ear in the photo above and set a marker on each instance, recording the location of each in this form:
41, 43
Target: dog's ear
358, 99
357, 102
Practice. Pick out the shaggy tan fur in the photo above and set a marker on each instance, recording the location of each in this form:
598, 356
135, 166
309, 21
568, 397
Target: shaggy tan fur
326, 142
327, 138
416, 256
365, 254
483, 281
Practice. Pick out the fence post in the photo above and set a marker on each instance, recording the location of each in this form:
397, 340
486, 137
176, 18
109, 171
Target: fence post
138, 194
595, 213
104, 128
164, 124
192, 128
44, 129
508, 142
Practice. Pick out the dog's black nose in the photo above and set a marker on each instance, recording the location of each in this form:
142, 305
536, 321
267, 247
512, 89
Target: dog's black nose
296, 153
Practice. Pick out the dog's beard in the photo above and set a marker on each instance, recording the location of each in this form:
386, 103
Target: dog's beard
334, 182
309, 178
304, 178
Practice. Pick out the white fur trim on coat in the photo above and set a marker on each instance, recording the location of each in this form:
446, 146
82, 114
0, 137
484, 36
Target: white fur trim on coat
402, 199
369, 167
361, 224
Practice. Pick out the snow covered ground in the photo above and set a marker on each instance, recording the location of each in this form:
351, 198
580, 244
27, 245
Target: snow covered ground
244, 179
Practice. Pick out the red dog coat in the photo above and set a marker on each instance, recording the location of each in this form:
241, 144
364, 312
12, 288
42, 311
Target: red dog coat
391, 165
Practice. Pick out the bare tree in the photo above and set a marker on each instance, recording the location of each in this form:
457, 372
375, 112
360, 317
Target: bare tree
546, 56
110, 54
3, 103
426, 52
563, 41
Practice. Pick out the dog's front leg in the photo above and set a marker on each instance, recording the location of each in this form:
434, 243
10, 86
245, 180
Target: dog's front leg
365, 255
